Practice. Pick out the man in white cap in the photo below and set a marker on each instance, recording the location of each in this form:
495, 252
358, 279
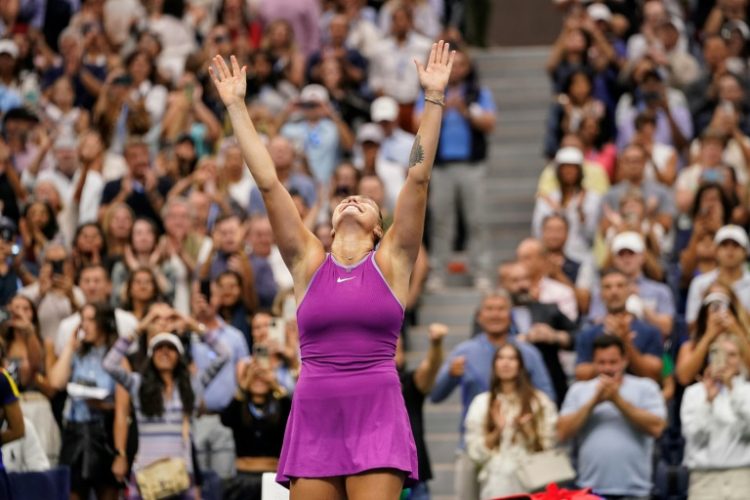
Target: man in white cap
396, 144
371, 161
731, 256
320, 132
651, 301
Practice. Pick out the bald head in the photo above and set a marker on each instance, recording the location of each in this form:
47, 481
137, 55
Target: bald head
282, 152
530, 253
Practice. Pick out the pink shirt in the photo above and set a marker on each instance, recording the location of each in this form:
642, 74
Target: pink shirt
553, 292
303, 15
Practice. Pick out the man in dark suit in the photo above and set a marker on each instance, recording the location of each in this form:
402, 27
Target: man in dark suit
542, 325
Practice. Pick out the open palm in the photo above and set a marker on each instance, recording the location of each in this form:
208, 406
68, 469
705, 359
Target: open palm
230, 83
439, 64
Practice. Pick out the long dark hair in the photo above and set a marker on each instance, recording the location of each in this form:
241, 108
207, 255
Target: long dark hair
106, 324
726, 203
6, 331
128, 299
151, 392
525, 392
735, 308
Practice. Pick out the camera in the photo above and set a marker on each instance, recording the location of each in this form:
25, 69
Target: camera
58, 266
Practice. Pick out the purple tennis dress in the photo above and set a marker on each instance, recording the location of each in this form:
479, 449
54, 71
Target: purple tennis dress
348, 414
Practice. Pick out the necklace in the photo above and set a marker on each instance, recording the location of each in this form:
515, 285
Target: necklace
348, 259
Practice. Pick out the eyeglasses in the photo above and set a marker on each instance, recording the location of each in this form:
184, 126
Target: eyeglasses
221, 39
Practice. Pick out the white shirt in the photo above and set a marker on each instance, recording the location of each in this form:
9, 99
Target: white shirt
498, 467
52, 308
25, 454
392, 68
281, 273
90, 196
660, 156
717, 434
125, 321
700, 284
581, 233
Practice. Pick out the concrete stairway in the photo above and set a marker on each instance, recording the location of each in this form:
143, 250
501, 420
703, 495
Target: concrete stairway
521, 90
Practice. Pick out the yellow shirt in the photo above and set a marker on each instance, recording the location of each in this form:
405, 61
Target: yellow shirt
594, 179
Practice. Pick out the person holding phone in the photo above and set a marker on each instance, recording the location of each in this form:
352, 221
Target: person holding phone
87, 444
213, 442
54, 294
273, 345
257, 415
715, 417
720, 313
348, 432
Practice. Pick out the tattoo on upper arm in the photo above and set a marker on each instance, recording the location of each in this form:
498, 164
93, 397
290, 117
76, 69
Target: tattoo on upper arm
417, 153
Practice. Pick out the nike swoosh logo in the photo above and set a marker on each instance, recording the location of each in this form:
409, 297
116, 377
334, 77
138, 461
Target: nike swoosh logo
341, 280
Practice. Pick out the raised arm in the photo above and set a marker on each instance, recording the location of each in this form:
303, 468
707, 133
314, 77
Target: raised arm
112, 364
300, 248
405, 236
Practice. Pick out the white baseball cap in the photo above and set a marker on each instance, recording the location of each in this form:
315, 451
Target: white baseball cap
384, 109
599, 12
628, 240
734, 233
165, 338
370, 132
9, 47
314, 93
569, 156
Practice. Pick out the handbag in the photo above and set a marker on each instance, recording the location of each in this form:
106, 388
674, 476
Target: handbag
163, 479
166, 477
537, 470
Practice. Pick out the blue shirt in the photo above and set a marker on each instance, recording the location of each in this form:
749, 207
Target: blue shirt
479, 353
647, 340
320, 140
265, 284
219, 393
88, 370
301, 183
614, 457
455, 131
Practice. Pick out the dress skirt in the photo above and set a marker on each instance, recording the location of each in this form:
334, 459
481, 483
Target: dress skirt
344, 422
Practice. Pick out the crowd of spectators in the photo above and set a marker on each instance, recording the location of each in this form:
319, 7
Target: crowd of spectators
146, 309
620, 330
148, 312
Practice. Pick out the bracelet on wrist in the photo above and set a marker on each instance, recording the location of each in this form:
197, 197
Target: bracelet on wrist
435, 98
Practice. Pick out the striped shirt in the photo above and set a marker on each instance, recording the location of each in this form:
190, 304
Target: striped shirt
162, 436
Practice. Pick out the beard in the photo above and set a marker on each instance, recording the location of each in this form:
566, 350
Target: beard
521, 298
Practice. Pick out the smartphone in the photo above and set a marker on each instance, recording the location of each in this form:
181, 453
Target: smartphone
81, 334
260, 355
727, 107
718, 306
206, 289
58, 266
277, 330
